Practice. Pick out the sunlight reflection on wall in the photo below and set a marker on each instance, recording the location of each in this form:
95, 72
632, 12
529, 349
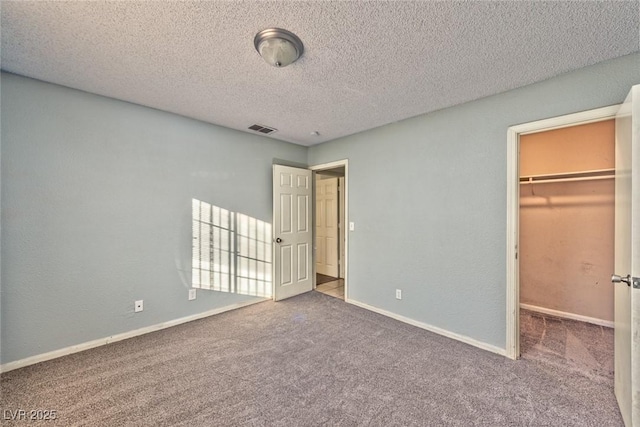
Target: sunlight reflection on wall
231, 251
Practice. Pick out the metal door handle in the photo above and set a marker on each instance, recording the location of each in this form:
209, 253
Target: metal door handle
278, 240
630, 281
617, 279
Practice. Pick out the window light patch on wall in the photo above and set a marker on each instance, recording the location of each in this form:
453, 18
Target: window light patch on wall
231, 252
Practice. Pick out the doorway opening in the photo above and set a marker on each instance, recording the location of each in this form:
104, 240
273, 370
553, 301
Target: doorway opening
330, 235
549, 187
626, 235
566, 240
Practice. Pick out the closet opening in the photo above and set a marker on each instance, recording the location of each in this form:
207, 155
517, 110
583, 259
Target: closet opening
566, 247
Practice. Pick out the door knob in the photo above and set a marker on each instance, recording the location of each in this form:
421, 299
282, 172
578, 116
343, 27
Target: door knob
617, 279
278, 240
630, 281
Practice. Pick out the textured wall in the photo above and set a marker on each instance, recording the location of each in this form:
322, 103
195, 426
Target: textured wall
96, 207
96, 211
428, 196
567, 228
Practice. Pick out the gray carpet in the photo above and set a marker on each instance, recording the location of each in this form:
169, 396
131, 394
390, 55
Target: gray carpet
571, 345
307, 361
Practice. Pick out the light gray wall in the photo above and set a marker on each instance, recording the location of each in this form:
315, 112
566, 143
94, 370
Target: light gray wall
96, 211
428, 196
96, 195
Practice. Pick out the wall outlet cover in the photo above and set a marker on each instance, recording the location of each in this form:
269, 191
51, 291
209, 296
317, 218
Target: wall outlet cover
138, 306
398, 293
192, 294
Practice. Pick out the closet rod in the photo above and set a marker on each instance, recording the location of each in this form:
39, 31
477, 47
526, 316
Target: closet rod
569, 176
586, 178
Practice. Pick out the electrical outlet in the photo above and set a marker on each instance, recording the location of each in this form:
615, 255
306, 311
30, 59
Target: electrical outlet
352, 226
192, 294
138, 306
398, 293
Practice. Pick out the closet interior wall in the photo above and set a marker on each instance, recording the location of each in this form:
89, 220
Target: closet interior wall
567, 226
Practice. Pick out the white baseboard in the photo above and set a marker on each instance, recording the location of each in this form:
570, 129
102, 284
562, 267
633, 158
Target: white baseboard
431, 328
32, 360
565, 315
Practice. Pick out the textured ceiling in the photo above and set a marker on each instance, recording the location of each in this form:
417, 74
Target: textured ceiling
365, 64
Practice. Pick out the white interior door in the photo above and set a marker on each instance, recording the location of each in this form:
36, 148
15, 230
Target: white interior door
292, 247
327, 226
627, 259
341, 227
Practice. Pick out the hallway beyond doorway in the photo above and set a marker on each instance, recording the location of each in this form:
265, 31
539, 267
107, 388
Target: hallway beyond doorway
331, 286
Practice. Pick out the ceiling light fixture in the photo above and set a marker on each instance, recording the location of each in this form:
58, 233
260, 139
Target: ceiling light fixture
278, 47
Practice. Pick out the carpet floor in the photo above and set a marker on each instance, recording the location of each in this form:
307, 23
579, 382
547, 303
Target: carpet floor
312, 360
571, 345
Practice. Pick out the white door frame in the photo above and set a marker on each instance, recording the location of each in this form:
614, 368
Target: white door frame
321, 167
512, 349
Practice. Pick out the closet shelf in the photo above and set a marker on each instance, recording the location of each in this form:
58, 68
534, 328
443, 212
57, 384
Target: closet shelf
590, 175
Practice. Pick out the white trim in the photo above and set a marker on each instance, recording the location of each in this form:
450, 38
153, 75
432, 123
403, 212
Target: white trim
512, 344
32, 360
513, 206
333, 165
568, 120
463, 338
565, 315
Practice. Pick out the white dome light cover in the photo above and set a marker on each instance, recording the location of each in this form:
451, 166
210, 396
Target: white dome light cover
278, 47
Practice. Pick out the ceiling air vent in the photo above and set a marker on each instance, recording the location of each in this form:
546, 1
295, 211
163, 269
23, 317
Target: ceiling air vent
262, 129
